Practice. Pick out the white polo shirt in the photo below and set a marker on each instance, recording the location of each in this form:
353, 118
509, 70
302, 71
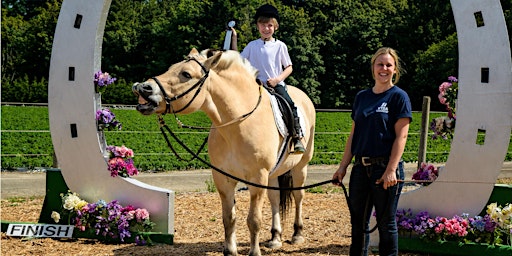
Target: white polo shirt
268, 57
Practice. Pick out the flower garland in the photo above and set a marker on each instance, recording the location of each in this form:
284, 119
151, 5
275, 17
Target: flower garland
493, 228
444, 126
111, 220
120, 161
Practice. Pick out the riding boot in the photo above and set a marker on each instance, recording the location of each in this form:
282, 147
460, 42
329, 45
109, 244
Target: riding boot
298, 147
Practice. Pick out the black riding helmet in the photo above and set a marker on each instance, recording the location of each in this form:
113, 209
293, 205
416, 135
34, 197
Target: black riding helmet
268, 11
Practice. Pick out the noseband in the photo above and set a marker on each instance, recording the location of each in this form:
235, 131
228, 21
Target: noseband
199, 84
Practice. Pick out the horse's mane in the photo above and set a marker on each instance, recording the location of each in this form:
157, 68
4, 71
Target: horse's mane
233, 57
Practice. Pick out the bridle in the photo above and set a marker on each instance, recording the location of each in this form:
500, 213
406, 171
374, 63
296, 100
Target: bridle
199, 85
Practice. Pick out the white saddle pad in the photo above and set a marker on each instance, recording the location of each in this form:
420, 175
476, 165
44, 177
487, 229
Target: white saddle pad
278, 117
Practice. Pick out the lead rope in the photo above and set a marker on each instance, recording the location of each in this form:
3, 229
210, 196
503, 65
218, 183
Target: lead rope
164, 127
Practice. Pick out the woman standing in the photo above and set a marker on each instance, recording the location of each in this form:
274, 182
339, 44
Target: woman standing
381, 117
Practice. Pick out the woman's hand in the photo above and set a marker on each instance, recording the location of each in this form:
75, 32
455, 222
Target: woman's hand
388, 179
338, 176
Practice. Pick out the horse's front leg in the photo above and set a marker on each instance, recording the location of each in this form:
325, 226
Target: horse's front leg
226, 188
254, 219
276, 231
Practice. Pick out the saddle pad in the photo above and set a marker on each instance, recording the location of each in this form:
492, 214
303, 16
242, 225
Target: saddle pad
278, 117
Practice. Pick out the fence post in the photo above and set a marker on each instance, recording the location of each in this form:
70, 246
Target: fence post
425, 112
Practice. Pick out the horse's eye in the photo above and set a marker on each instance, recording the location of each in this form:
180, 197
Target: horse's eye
186, 74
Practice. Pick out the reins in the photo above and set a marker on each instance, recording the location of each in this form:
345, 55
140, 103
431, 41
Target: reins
164, 127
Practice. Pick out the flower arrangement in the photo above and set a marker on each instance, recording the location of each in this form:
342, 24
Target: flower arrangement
111, 220
426, 172
444, 126
103, 79
107, 120
120, 161
493, 228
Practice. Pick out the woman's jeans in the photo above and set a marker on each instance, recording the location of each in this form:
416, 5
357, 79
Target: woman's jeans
364, 194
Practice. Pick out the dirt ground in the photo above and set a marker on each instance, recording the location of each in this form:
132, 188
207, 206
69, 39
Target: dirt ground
198, 229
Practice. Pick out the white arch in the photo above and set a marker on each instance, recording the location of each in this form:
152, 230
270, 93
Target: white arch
467, 180
72, 104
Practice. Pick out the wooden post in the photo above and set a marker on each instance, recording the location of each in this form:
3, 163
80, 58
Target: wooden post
425, 112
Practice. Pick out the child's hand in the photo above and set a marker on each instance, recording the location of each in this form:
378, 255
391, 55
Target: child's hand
272, 82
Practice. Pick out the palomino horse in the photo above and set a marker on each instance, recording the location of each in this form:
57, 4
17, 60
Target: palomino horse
243, 141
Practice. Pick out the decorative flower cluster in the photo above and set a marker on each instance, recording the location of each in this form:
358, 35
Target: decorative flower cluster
444, 126
107, 120
426, 172
120, 162
111, 221
503, 217
493, 228
103, 79
448, 95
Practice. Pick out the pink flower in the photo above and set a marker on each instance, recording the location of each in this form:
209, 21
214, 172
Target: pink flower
141, 214
443, 87
124, 151
130, 215
121, 162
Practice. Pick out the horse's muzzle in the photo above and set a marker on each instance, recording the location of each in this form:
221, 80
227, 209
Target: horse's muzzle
146, 106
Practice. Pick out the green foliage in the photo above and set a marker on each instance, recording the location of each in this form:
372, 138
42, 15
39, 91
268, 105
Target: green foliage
24, 89
434, 65
27, 40
26, 140
330, 42
119, 91
210, 186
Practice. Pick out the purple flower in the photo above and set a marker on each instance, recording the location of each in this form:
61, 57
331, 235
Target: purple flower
103, 79
107, 120
112, 221
426, 172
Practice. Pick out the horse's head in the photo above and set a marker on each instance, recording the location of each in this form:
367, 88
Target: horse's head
178, 89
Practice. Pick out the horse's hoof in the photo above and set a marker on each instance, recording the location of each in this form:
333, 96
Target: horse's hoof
298, 240
274, 244
228, 253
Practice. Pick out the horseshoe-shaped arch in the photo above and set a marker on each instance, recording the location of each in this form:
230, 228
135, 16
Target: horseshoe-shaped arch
484, 107
72, 104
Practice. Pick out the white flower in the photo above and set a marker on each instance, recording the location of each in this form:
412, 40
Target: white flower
71, 201
55, 216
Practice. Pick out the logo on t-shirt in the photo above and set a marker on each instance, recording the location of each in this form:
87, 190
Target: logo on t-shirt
383, 108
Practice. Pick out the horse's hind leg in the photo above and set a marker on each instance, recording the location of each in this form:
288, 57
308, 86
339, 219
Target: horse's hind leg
226, 190
276, 231
299, 178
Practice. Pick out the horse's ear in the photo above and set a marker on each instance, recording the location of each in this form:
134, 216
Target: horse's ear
213, 61
193, 52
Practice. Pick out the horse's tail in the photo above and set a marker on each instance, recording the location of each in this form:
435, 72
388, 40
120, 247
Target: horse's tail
285, 196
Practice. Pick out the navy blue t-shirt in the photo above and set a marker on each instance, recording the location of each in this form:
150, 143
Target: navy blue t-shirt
375, 116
